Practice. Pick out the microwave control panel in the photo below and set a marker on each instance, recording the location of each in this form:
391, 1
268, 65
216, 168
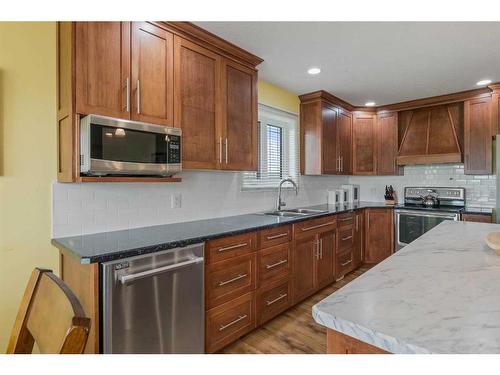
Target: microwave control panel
174, 149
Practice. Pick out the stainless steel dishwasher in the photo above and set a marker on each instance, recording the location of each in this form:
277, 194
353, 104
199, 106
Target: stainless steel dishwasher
154, 303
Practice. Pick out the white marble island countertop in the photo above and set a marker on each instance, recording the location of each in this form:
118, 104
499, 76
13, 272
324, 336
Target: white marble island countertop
440, 294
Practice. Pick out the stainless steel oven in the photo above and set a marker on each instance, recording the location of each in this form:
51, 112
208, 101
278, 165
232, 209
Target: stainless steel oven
411, 224
110, 146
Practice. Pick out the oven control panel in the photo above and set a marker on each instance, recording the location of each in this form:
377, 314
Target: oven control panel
440, 192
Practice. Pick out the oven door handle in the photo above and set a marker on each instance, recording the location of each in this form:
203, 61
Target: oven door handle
426, 214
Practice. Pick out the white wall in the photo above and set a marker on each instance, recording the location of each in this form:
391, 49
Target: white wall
91, 208
480, 190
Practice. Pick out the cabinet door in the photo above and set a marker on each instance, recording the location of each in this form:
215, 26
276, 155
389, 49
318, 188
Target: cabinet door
304, 259
364, 144
329, 158
344, 141
478, 136
379, 234
102, 66
358, 239
387, 143
197, 104
152, 74
325, 260
239, 108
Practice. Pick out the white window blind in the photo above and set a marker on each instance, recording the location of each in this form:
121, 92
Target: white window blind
278, 155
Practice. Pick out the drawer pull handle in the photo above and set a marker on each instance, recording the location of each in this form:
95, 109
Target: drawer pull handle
346, 219
346, 263
269, 303
238, 319
277, 236
318, 226
346, 238
222, 249
222, 283
269, 266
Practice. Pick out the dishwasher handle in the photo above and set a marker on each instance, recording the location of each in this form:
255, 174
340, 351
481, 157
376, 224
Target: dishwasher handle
126, 279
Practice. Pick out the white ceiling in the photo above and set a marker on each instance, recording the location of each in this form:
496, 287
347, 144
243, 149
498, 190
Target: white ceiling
370, 61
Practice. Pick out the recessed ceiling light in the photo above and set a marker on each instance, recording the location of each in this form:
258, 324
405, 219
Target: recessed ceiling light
314, 71
484, 82
369, 104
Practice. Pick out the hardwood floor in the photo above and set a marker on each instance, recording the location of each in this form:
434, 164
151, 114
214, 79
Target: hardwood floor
294, 331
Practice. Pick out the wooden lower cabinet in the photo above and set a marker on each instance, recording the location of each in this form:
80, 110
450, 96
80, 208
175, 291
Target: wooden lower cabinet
228, 322
478, 218
325, 260
379, 234
230, 278
273, 299
358, 243
339, 343
304, 267
274, 263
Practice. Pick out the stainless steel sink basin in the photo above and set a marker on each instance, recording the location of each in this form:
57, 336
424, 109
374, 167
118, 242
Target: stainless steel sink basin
284, 213
295, 212
306, 211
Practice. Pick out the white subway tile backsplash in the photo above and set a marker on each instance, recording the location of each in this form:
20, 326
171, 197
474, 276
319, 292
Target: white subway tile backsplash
90, 208
480, 190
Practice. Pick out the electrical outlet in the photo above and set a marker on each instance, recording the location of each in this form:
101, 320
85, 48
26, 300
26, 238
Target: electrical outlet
176, 200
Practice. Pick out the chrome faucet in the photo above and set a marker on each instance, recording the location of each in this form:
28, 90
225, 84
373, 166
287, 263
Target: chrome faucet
279, 201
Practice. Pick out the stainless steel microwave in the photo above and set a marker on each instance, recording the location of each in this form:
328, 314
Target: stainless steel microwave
110, 146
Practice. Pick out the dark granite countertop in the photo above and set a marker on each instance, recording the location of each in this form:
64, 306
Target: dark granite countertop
104, 247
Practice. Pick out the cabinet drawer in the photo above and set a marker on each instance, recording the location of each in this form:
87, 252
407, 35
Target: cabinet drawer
228, 322
275, 236
230, 247
273, 299
274, 263
343, 264
306, 228
229, 279
345, 238
345, 219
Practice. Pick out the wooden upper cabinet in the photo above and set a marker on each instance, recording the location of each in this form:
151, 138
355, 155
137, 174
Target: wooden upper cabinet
326, 138
478, 133
329, 150
197, 104
152, 74
102, 68
239, 108
344, 141
379, 234
387, 143
364, 144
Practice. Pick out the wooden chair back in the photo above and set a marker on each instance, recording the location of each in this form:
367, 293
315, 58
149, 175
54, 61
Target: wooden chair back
50, 315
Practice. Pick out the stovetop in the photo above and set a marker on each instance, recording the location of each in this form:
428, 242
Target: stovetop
451, 199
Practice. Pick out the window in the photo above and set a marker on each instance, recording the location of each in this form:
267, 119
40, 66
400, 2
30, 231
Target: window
278, 155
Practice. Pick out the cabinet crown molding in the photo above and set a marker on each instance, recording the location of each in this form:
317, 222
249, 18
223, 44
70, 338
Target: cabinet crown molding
189, 29
406, 105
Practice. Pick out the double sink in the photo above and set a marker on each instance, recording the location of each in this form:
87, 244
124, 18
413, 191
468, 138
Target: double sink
295, 212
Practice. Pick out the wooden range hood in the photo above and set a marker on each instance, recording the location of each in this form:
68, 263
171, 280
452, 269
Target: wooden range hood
431, 135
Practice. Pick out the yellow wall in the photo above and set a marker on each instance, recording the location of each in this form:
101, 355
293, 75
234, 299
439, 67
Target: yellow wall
27, 159
28, 156
277, 97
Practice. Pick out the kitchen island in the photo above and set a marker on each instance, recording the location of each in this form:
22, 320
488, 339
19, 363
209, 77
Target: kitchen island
439, 294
